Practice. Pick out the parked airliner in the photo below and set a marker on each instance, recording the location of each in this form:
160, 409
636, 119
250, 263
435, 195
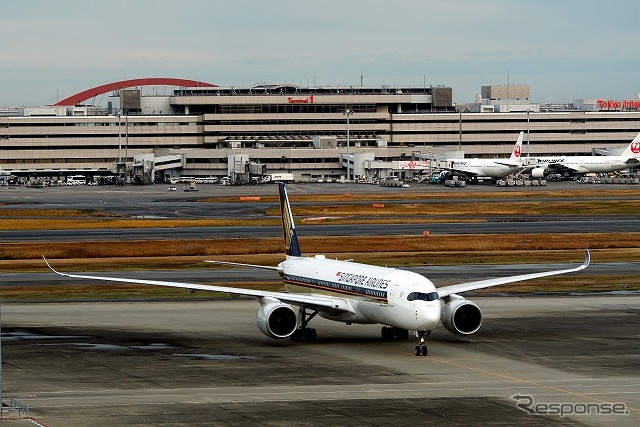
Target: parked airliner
350, 292
474, 168
570, 166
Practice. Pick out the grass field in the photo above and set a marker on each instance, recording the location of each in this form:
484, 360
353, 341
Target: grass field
378, 250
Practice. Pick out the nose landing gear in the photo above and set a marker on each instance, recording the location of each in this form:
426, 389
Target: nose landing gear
421, 348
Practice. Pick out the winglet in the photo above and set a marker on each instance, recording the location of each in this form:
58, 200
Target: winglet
51, 268
587, 258
292, 247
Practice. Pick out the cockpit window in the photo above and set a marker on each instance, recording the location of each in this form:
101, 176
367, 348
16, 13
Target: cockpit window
431, 296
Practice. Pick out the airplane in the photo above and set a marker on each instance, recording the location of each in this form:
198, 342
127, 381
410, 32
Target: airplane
474, 168
570, 166
351, 292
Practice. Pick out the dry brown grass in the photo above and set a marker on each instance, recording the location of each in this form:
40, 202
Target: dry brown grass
458, 208
378, 250
360, 244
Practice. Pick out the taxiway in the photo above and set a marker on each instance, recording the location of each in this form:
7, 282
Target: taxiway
206, 363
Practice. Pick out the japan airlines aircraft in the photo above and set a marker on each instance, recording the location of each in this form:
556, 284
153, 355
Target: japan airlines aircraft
490, 168
571, 166
350, 292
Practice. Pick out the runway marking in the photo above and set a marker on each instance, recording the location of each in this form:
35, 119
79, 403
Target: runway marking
297, 188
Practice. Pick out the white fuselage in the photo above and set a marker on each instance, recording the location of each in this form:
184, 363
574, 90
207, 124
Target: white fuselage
483, 167
582, 164
397, 298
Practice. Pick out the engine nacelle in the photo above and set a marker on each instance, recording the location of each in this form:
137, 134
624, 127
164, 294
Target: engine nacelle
277, 320
538, 173
461, 316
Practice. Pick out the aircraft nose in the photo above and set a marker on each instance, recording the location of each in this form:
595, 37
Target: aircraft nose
431, 316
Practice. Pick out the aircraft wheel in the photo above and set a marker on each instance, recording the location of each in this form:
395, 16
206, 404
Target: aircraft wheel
418, 350
423, 350
310, 334
387, 333
298, 335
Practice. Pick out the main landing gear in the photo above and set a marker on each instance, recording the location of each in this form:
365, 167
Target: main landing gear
421, 348
303, 333
389, 333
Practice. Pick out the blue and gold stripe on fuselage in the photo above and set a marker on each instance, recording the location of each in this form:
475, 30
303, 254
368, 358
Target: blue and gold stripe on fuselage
378, 295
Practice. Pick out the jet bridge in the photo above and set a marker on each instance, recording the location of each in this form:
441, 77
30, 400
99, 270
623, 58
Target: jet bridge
144, 167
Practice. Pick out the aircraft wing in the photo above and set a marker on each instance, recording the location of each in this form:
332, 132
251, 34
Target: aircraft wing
481, 284
632, 160
465, 171
315, 301
507, 162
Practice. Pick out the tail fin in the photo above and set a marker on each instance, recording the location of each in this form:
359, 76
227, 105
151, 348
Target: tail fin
517, 149
633, 150
292, 247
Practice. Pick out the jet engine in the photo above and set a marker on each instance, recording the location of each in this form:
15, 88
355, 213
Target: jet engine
538, 172
461, 316
277, 320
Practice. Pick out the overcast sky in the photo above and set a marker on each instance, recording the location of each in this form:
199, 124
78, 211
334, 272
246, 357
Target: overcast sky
563, 49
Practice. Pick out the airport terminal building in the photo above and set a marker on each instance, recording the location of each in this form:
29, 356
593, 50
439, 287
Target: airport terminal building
206, 130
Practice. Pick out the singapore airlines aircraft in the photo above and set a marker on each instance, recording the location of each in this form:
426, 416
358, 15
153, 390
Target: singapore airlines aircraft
570, 166
350, 292
490, 168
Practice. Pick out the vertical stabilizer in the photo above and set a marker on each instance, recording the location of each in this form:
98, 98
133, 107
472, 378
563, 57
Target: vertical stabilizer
633, 150
292, 247
517, 149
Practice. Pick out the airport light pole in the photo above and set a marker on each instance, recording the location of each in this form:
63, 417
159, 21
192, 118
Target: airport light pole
528, 148
119, 141
347, 113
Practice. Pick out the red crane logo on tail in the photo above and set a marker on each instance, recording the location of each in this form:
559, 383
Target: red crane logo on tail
516, 151
635, 147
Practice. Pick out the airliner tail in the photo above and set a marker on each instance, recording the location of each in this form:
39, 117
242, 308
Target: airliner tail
292, 247
633, 150
517, 148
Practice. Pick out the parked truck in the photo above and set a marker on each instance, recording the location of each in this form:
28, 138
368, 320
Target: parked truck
277, 177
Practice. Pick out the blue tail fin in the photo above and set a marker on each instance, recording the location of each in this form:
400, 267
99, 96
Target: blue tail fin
292, 247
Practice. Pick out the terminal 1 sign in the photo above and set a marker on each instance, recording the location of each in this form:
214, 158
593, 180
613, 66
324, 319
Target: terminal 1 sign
307, 100
620, 104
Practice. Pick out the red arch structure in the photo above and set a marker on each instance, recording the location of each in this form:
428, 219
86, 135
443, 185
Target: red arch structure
109, 87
